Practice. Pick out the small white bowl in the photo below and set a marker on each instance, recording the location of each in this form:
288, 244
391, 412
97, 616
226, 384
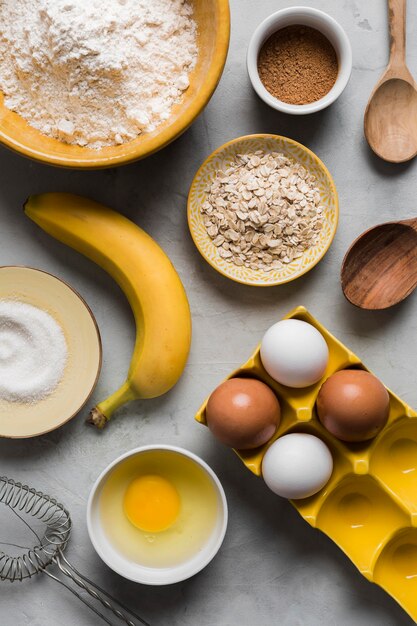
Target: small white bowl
314, 18
148, 575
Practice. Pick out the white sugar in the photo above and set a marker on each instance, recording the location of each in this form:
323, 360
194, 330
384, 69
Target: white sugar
33, 352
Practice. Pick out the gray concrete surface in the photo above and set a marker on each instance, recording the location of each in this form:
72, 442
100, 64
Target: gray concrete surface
273, 568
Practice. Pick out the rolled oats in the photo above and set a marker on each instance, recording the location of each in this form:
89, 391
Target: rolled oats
263, 211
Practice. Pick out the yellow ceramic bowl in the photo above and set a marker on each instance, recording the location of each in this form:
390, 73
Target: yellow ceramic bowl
213, 20
42, 290
369, 506
220, 159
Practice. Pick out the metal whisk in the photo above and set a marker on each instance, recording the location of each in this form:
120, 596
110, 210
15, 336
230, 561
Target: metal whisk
49, 549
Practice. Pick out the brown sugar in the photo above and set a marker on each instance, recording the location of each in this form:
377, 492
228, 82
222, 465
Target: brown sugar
298, 64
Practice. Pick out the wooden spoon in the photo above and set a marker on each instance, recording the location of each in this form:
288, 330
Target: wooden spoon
380, 268
391, 114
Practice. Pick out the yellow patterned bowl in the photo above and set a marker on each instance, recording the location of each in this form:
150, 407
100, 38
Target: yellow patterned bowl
213, 23
221, 159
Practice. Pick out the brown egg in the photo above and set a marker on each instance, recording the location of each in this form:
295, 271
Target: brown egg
353, 405
243, 413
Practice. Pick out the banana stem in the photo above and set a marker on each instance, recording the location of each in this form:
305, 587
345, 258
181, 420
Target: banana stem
101, 414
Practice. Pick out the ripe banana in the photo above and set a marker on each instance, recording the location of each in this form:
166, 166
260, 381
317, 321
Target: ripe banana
147, 277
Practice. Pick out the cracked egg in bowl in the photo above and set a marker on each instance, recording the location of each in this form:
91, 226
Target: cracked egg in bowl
157, 515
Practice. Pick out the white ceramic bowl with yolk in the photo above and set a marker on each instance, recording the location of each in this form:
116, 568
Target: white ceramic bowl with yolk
131, 569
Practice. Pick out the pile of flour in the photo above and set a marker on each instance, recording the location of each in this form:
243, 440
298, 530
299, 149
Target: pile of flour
95, 72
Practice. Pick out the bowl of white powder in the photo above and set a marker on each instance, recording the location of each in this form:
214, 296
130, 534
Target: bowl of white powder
50, 352
106, 82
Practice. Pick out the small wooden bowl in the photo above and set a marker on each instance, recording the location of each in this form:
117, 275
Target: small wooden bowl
45, 291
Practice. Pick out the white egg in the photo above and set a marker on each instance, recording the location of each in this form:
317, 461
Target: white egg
294, 353
297, 466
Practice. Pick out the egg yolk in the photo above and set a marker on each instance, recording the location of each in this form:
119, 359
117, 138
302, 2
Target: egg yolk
151, 503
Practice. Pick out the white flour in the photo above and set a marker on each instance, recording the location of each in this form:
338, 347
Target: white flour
95, 72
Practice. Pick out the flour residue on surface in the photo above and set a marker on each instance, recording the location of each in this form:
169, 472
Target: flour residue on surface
33, 352
95, 73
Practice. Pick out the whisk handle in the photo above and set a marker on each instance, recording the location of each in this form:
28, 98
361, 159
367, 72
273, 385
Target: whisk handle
106, 600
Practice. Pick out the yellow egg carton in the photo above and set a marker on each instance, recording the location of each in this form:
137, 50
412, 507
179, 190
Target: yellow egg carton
369, 506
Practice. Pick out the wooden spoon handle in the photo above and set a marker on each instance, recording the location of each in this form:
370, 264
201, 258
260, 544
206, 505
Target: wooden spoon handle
397, 12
